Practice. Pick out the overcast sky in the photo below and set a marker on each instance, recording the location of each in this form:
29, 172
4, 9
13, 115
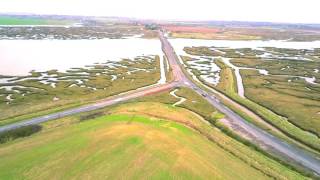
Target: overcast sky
303, 11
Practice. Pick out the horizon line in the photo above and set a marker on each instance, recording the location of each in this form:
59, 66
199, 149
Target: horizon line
162, 19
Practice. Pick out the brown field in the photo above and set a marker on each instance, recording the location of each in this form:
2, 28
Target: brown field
192, 29
241, 33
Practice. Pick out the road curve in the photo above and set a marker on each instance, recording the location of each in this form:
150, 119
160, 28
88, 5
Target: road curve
272, 144
262, 138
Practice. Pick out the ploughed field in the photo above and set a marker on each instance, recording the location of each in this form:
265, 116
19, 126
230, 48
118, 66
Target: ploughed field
282, 77
236, 32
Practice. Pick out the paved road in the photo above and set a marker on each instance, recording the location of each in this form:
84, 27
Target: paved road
262, 138
98, 105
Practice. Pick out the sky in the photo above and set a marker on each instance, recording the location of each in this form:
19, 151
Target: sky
292, 11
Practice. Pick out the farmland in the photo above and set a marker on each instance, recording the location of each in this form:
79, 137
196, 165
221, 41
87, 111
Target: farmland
231, 32
82, 145
105, 100
8, 20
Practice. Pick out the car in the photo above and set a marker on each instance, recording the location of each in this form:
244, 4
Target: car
204, 95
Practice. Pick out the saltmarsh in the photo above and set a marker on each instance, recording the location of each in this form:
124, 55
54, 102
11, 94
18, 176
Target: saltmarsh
56, 90
281, 85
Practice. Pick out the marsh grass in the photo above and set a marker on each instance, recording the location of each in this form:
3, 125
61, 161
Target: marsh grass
40, 101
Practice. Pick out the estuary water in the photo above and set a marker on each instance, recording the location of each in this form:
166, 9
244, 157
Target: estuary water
19, 57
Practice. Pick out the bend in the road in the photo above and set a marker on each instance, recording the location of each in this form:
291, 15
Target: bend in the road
286, 150
275, 145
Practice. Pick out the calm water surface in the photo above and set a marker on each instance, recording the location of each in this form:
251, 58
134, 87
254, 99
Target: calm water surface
19, 57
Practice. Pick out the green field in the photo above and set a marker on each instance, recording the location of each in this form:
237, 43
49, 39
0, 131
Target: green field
130, 144
117, 147
6, 20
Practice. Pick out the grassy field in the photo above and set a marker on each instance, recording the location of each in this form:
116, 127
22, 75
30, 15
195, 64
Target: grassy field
194, 102
142, 140
228, 82
96, 84
117, 147
197, 104
5, 20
